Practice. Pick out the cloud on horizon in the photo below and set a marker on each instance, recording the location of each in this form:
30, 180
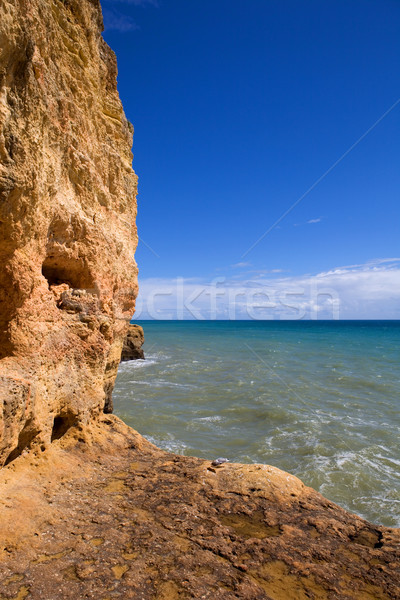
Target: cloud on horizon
367, 291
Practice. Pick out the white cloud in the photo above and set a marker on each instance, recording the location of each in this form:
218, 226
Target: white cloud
310, 222
241, 265
369, 291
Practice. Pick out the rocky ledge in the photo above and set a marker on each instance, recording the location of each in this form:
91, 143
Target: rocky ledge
104, 514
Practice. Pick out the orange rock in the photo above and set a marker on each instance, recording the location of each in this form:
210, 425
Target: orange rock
68, 280
115, 515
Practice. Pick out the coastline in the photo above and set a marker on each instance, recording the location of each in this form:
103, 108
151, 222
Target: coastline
90, 508
315, 400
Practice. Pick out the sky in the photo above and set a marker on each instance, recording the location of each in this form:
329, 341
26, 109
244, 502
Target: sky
267, 148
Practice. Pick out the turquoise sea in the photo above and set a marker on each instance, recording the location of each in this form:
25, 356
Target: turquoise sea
319, 399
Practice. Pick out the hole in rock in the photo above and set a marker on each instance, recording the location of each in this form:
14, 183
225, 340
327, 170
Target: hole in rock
368, 537
61, 425
25, 438
75, 273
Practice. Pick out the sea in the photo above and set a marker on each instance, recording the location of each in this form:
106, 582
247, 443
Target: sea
319, 399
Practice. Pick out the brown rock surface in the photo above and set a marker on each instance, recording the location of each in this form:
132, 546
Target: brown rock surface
104, 514
67, 220
134, 340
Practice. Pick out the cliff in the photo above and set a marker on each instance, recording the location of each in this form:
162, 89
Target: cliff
90, 509
67, 221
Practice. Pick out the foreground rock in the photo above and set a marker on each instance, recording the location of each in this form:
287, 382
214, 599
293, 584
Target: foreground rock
68, 279
104, 514
132, 348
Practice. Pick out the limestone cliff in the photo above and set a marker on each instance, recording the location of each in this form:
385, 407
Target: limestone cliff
68, 280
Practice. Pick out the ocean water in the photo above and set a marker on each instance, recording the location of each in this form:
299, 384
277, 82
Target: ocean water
317, 399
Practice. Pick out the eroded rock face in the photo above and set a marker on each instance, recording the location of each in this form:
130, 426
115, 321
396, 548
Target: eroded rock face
132, 348
68, 280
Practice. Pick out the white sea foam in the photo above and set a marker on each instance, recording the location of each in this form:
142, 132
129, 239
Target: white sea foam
139, 363
171, 445
393, 461
210, 419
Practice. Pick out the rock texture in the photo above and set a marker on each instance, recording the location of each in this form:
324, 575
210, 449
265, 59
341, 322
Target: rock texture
67, 220
132, 348
104, 514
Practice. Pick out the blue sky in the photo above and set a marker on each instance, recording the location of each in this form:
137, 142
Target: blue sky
239, 108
